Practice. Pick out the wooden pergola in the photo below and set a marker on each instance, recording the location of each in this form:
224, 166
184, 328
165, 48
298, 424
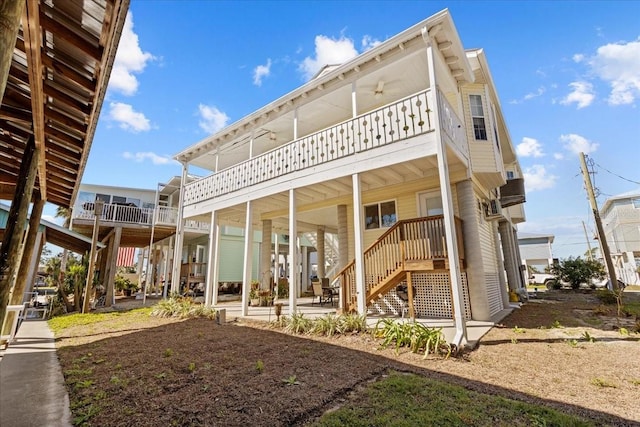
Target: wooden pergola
56, 79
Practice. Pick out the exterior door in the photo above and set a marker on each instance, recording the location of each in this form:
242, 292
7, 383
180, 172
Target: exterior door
430, 203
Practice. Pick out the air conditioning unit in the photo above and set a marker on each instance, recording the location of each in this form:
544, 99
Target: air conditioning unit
494, 210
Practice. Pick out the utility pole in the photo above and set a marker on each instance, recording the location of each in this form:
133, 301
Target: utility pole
604, 247
586, 236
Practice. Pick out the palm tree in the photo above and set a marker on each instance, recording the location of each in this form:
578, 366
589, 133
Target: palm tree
64, 213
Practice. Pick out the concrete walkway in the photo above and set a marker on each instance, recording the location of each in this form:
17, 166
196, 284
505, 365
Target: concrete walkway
32, 390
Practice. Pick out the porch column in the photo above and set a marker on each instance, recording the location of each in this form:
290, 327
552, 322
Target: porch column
460, 338
320, 248
354, 103
10, 252
361, 286
521, 274
29, 253
109, 281
504, 228
167, 266
343, 237
265, 254
304, 255
276, 258
500, 265
468, 210
294, 273
248, 259
179, 242
213, 261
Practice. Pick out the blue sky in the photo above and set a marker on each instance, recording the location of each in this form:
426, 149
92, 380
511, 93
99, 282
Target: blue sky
567, 73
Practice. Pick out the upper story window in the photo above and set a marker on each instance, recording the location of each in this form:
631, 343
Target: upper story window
477, 115
511, 175
380, 215
636, 203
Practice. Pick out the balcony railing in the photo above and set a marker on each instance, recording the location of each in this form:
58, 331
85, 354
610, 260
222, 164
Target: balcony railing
395, 122
113, 212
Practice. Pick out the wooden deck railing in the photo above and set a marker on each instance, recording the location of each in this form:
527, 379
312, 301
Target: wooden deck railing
418, 239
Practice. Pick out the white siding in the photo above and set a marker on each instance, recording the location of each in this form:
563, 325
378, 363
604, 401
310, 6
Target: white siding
487, 247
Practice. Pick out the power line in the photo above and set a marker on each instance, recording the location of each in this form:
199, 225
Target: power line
615, 174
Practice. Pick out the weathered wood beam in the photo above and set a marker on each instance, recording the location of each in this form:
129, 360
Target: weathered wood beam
70, 101
15, 114
12, 239
32, 37
27, 253
10, 14
76, 37
68, 73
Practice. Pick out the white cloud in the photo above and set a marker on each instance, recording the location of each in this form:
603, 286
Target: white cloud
558, 156
369, 42
260, 72
212, 119
328, 52
541, 90
578, 57
619, 65
537, 178
529, 147
128, 118
142, 156
582, 94
129, 59
578, 144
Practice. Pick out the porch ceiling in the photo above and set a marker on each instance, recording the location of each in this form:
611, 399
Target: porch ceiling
316, 204
56, 85
132, 235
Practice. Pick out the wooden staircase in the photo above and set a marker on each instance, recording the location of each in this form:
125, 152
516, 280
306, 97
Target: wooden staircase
410, 246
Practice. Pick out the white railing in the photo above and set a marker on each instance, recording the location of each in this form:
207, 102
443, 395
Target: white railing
127, 214
198, 226
404, 119
452, 126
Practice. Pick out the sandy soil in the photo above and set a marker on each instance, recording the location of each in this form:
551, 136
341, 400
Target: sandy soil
156, 372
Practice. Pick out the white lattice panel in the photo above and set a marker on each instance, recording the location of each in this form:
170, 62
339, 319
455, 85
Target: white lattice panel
432, 298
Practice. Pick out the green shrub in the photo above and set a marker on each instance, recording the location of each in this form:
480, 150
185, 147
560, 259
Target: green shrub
328, 325
297, 324
417, 337
352, 322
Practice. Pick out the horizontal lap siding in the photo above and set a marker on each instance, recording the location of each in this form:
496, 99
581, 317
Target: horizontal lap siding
492, 283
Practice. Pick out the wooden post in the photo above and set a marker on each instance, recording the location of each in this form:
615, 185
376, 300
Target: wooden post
10, 248
596, 216
412, 313
27, 253
92, 255
10, 15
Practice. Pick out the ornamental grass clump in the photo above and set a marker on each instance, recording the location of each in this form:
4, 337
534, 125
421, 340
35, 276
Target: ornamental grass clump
182, 308
417, 337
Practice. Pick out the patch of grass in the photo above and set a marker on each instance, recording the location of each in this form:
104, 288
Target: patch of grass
518, 330
588, 337
416, 336
601, 382
168, 352
260, 366
556, 324
60, 323
411, 400
292, 380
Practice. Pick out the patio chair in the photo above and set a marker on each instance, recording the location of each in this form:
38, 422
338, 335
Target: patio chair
317, 292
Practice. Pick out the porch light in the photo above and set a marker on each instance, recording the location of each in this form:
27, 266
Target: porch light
272, 136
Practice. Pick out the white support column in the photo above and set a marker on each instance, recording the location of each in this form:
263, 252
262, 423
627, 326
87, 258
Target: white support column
251, 146
179, 241
294, 274
500, 266
265, 254
248, 259
504, 228
167, 266
295, 124
521, 273
343, 236
276, 257
361, 288
354, 100
305, 269
321, 251
460, 338
211, 293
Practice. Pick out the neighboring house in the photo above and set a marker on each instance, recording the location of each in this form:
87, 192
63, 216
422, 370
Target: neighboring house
143, 218
536, 252
621, 222
402, 154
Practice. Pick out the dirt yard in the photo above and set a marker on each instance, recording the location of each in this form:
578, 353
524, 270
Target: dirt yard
560, 350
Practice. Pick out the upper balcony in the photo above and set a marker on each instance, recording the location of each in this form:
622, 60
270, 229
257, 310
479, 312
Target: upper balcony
401, 120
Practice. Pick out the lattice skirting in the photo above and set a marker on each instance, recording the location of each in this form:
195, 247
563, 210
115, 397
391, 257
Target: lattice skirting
432, 298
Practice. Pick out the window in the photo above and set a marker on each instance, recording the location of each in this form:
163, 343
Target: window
510, 175
636, 203
106, 198
119, 200
477, 115
380, 215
